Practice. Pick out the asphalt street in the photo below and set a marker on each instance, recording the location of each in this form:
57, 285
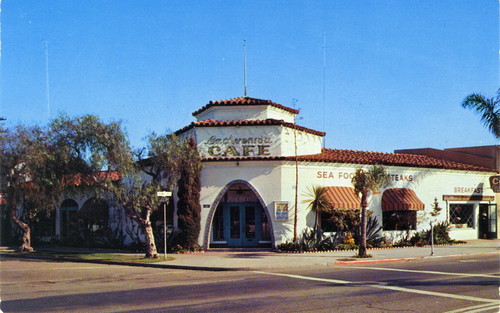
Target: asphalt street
452, 284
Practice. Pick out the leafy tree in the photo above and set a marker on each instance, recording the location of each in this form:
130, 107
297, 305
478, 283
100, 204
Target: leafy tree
28, 164
317, 202
188, 207
86, 155
366, 182
169, 159
108, 148
488, 109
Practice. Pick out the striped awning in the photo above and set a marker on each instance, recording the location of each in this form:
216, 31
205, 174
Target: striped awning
401, 199
343, 198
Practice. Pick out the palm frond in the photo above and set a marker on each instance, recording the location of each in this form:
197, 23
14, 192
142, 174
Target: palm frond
316, 199
488, 109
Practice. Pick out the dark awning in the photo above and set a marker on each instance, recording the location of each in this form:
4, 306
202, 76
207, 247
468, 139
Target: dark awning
343, 198
401, 199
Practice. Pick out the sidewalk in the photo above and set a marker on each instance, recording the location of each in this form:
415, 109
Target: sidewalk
260, 260
269, 260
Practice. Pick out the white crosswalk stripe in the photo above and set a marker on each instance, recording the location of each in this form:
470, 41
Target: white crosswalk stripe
395, 288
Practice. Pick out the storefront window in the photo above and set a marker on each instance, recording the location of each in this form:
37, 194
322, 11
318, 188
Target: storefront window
462, 215
399, 220
327, 222
340, 220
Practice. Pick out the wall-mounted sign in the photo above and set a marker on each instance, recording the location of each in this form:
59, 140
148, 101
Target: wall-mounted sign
468, 198
350, 175
281, 211
495, 183
231, 146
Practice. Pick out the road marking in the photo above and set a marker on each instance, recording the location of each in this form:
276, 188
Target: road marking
395, 288
54, 268
475, 308
419, 271
81, 268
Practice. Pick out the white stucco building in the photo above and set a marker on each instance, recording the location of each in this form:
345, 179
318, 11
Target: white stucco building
259, 164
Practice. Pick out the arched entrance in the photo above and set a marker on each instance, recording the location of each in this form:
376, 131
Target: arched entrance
93, 217
238, 218
68, 220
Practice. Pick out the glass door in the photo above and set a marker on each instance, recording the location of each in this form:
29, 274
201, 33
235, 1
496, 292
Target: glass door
242, 225
234, 227
487, 221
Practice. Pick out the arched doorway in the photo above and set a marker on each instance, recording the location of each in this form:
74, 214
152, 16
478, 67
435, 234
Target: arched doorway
93, 218
239, 218
68, 210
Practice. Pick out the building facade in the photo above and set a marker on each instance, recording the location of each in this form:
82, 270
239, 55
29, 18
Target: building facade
259, 166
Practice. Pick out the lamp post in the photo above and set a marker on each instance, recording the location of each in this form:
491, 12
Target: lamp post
435, 212
432, 239
165, 195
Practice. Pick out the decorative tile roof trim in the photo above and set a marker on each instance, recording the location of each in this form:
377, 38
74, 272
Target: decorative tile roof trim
364, 158
384, 158
250, 158
267, 122
244, 101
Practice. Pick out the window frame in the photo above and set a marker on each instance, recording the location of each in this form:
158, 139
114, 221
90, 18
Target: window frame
470, 221
407, 218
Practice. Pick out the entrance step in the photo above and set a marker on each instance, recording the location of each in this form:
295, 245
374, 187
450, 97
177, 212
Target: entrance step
246, 249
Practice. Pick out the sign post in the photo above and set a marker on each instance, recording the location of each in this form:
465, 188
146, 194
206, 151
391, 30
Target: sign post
166, 195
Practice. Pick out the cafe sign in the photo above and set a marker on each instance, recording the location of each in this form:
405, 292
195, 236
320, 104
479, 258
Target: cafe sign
495, 183
234, 146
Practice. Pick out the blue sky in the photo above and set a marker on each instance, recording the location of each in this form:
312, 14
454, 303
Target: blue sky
395, 72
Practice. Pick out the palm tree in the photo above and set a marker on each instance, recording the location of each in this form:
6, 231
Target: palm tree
366, 182
489, 109
317, 202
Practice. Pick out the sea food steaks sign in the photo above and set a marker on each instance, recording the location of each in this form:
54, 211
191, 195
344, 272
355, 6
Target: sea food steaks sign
238, 146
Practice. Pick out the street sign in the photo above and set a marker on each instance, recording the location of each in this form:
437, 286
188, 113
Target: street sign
164, 193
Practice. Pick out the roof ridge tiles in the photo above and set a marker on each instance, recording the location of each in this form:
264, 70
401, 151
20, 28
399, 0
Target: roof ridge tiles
269, 121
244, 101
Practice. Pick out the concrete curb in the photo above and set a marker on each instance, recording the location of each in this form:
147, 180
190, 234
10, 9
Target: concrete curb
227, 269
374, 261
407, 259
155, 265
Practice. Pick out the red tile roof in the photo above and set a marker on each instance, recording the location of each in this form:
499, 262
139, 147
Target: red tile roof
215, 123
79, 179
383, 158
365, 157
244, 101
